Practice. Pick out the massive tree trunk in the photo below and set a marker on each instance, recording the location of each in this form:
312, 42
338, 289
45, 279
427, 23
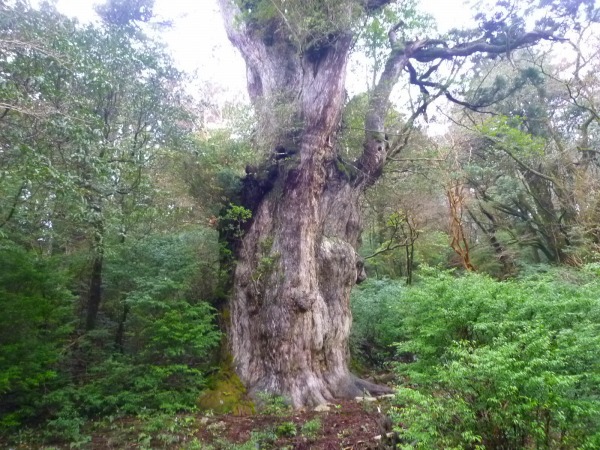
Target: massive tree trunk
297, 261
290, 307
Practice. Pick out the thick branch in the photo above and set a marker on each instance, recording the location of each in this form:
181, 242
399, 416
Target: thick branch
389, 248
375, 151
520, 162
253, 50
376, 147
373, 5
430, 50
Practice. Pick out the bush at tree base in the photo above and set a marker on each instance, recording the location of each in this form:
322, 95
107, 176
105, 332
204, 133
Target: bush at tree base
501, 365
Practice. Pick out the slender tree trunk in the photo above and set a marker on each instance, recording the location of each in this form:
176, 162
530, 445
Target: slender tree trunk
508, 266
410, 257
120, 334
459, 242
95, 290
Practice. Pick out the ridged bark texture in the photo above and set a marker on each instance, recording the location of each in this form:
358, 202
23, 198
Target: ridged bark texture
290, 310
297, 263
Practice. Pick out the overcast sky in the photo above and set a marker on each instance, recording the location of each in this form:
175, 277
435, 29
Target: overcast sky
198, 41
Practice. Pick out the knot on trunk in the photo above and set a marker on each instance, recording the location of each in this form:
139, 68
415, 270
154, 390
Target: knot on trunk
338, 261
303, 300
361, 274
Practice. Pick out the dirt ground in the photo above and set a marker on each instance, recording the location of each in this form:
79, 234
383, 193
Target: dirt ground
348, 425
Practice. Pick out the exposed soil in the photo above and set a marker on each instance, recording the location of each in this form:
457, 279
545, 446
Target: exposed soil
348, 425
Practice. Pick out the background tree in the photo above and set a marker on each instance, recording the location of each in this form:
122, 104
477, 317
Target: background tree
89, 116
525, 164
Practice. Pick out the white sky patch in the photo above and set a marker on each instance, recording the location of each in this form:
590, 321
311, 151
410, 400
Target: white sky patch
199, 44
82, 9
449, 13
197, 41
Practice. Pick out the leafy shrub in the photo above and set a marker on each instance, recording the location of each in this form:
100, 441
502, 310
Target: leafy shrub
150, 353
502, 364
166, 377
35, 323
167, 341
311, 428
286, 429
272, 405
375, 302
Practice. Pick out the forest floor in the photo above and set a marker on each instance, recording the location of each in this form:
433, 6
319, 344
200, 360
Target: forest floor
358, 424
347, 425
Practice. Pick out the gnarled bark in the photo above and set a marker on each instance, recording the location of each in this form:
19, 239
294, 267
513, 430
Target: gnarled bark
297, 261
291, 315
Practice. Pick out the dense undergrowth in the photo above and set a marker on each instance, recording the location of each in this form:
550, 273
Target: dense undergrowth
480, 363
150, 354
489, 364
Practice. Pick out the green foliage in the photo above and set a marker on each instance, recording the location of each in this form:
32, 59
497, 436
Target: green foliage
373, 39
35, 325
286, 429
505, 88
261, 439
104, 103
157, 362
148, 274
213, 172
168, 339
307, 24
264, 439
234, 217
501, 364
375, 302
89, 186
125, 12
311, 428
524, 168
272, 405
232, 228
506, 132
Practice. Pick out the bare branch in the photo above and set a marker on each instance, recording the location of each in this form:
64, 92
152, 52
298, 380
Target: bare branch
39, 113
388, 248
430, 50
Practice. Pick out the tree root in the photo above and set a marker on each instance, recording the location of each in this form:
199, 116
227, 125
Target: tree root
357, 387
372, 388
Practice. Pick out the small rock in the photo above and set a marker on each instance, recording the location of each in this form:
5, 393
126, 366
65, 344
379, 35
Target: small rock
365, 399
380, 436
322, 408
387, 396
204, 420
